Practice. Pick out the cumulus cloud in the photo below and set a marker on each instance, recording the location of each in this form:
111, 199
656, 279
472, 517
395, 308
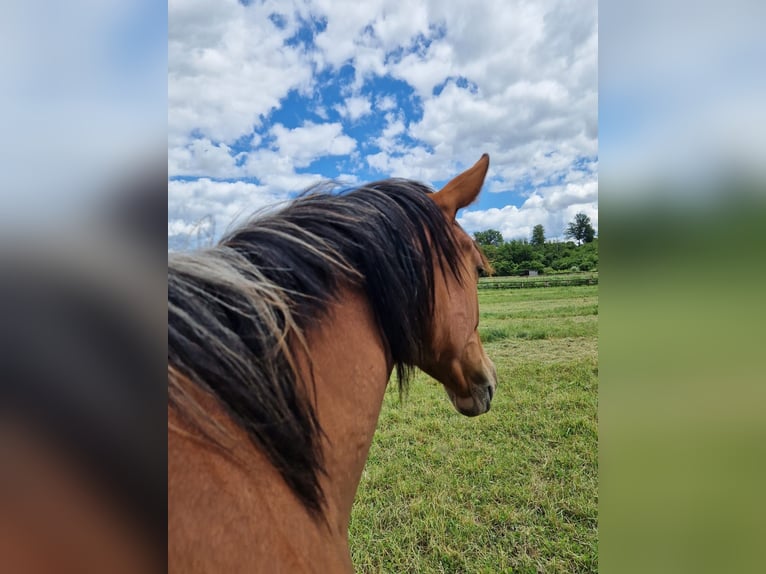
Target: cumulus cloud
365, 32
389, 139
205, 204
385, 103
571, 194
553, 207
306, 143
520, 82
414, 163
354, 108
202, 157
425, 71
228, 65
517, 222
516, 79
186, 228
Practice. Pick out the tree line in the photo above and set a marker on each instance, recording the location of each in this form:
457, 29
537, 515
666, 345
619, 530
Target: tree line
519, 256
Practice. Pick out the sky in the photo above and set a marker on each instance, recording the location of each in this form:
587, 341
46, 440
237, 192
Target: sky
268, 98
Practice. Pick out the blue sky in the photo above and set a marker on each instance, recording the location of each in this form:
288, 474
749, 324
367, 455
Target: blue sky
267, 98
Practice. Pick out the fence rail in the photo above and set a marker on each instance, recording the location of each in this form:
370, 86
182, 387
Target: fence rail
534, 283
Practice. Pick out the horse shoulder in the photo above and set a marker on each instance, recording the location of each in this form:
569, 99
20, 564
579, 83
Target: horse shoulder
230, 516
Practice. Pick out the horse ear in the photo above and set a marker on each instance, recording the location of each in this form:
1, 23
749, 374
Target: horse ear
463, 189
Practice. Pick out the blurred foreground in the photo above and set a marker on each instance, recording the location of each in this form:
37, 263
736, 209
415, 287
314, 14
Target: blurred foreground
683, 314
82, 259
682, 395
82, 394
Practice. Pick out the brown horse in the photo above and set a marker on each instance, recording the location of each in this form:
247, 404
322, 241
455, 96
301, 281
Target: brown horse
281, 341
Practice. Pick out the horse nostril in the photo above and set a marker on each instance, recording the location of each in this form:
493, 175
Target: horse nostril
490, 391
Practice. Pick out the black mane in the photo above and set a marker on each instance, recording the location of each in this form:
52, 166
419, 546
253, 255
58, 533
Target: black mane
234, 310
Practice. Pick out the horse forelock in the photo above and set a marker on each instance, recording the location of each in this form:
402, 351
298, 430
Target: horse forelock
238, 312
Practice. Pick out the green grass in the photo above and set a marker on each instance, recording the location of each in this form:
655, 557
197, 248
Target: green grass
543, 277
514, 490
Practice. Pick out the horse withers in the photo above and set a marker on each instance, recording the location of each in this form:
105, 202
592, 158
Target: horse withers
281, 341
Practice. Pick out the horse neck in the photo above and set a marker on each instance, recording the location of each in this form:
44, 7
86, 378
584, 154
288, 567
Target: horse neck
351, 371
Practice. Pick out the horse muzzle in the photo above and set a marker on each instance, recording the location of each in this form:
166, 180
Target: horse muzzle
480, 399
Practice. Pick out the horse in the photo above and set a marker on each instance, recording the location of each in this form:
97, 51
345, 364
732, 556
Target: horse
282, 339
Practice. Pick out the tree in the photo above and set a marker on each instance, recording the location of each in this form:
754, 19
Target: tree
580, 229
538, 236
489, 237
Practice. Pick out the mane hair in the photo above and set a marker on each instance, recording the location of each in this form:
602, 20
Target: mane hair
237, 312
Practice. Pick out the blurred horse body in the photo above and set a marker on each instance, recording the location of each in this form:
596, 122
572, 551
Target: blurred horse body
281, 342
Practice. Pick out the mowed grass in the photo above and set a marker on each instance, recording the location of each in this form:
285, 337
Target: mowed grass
542, 278
514, 490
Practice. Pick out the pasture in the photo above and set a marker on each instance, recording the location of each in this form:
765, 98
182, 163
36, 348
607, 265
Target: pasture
514, 490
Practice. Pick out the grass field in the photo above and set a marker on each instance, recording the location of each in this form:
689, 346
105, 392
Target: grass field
545, 277
514, 490
561, 280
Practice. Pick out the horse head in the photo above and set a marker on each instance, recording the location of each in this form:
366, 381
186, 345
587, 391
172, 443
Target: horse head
456, 357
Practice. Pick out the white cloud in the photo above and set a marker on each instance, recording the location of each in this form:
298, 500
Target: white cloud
531, 71
192, 203
379, 161
182, 227
354, 108
571, 194
366, 31
512, 222
389, 138
517, 222
531, 93
424, 72
202, 157
553, 206
275, 168
533, 67
413, 163
310, 141
394, 126
516, 79
228, 66
277, 171
385, 103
